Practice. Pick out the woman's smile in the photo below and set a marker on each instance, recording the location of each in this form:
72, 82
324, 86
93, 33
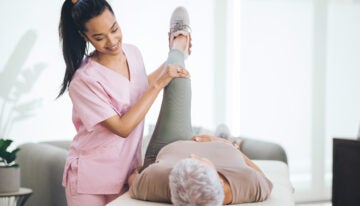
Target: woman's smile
113, 47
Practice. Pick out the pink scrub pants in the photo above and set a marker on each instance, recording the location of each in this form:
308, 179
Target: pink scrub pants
74, 198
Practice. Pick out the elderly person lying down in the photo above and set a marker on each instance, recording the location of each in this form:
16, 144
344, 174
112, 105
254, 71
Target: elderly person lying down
205, 170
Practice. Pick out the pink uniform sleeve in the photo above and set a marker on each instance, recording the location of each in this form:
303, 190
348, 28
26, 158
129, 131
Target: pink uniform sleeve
90, 101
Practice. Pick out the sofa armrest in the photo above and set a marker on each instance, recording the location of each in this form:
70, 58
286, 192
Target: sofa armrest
42, 168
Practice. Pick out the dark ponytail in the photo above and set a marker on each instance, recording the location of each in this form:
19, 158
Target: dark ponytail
72, 23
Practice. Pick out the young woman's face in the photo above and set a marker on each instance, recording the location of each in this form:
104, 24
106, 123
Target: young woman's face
104, 33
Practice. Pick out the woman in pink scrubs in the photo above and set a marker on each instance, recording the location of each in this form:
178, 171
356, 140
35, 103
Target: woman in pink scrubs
111, 95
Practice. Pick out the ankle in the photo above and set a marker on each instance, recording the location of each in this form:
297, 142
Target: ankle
180, 43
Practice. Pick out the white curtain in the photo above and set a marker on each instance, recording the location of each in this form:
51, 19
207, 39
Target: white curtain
292, 78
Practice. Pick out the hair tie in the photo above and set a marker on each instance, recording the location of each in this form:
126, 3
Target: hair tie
74, 1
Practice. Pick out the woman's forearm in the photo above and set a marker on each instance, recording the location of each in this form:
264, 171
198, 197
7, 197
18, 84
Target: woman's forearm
155, 74
123, 125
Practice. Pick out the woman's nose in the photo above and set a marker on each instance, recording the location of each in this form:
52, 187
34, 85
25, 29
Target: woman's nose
112, 40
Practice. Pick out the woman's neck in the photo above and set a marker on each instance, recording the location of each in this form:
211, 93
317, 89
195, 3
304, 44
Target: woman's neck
117, 63
108, 59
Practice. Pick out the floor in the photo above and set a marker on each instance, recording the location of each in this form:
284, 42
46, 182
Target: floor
315, 204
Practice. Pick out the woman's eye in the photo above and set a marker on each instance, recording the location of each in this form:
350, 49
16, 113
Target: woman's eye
98, 39
114, 30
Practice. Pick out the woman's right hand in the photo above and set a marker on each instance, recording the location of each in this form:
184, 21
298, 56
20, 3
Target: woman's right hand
171, 72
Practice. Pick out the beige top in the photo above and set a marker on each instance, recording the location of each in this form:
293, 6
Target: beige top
247, 185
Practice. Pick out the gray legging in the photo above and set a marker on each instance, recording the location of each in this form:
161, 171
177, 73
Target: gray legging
174, 121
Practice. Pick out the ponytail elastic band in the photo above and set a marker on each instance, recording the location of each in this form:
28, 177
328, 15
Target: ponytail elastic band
74, 1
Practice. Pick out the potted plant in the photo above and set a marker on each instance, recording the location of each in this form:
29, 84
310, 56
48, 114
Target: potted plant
9, 170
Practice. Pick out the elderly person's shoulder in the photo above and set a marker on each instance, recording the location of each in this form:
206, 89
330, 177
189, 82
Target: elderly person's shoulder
152, 184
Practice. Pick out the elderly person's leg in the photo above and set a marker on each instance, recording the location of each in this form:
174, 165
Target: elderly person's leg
174, 121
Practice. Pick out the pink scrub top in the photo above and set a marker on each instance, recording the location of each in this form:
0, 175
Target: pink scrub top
99, 161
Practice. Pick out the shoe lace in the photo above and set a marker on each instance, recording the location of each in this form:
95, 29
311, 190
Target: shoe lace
180, 26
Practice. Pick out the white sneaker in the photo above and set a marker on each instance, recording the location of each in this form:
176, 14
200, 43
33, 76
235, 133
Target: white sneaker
180, 25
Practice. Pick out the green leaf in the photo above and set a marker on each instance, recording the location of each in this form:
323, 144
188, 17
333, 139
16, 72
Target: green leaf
4, 144
7, 157
12, 156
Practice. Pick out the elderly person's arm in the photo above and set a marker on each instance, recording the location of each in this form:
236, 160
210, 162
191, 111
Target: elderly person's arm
251, 163
210, 138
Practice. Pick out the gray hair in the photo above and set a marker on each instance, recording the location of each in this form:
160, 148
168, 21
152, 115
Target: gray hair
194, 184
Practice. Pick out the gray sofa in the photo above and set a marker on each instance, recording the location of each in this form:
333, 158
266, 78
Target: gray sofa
42, 166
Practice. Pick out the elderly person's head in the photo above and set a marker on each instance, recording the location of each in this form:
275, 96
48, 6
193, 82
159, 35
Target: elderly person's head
195, 182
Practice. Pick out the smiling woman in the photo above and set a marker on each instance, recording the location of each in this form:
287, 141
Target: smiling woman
111, 94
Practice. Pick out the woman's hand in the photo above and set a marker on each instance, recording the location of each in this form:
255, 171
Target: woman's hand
171, 72
204, 138
210, 138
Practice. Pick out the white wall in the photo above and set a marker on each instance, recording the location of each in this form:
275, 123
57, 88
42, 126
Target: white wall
294, 79
30, 44
343, 74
